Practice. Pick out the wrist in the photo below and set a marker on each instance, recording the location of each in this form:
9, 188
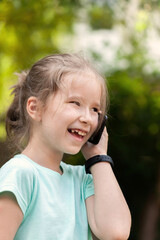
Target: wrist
96, 159
94, 154
99, 167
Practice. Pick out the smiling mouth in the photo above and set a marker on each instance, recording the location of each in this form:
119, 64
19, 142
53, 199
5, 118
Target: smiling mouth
77, 133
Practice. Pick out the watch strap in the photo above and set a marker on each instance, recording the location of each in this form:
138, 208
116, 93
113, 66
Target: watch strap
95, 159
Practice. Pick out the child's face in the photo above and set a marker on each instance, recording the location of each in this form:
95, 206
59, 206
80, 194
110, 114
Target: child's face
71, 115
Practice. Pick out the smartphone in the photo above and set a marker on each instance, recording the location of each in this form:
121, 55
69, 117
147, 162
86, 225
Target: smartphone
95, 138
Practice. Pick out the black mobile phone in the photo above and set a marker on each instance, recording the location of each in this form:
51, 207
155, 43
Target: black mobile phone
96, 136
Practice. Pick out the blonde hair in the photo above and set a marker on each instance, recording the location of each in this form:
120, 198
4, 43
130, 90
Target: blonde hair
43, 79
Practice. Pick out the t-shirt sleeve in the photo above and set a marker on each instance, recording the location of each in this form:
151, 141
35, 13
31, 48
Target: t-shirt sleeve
88, 186
17, 177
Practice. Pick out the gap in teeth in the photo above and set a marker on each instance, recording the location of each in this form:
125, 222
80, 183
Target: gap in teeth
78, 131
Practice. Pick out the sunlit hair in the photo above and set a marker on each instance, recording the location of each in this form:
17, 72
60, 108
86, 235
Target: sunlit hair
43, 79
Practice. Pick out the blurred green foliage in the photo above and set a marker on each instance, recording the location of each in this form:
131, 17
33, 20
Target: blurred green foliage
100, 17
32, 29
28, 31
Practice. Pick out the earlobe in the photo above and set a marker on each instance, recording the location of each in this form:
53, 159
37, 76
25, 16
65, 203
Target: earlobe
34, 108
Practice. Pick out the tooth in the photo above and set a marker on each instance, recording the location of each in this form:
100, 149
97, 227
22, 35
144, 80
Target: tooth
81, 133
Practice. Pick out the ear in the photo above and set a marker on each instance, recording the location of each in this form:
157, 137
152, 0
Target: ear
34, 108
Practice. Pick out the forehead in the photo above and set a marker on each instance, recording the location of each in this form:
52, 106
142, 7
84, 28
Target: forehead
84, 83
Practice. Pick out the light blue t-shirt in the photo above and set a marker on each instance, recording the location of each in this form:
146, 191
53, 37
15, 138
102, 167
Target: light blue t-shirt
53, 205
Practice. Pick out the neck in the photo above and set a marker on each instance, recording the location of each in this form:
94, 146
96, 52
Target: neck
43, 156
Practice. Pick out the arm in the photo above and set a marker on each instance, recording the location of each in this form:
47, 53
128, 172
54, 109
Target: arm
10, 216
108, 213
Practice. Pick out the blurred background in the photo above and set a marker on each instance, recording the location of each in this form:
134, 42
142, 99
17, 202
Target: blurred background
122, 38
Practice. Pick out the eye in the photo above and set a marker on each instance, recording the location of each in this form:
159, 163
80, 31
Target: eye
96, 110
75, 102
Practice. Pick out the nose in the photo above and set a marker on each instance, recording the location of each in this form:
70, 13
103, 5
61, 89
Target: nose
86, 117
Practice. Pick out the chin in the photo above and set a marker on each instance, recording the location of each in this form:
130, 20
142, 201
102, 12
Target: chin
73, 151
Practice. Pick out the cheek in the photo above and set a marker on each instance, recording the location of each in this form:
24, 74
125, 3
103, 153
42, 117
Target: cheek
72, 111
95, 123
66, 117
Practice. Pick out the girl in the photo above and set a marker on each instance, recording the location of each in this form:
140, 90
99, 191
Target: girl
57, 106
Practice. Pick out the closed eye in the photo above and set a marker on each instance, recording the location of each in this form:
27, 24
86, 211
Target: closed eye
75, 102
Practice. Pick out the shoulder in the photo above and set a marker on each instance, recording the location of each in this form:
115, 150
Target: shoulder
77, 170
17, 166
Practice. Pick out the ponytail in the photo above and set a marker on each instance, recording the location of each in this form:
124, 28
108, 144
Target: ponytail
16, 125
